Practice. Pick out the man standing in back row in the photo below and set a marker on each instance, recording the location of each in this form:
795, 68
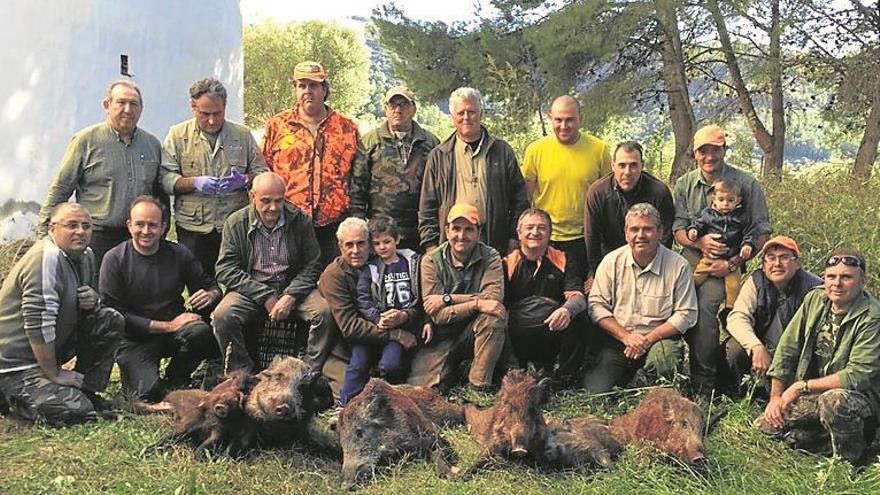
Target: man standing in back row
314, 148
390, 180
207, 163
558, 169
106, 166
472, 167
691, 195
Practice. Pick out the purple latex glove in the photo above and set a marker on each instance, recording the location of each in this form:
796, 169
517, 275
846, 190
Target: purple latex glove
232, 182
206, 184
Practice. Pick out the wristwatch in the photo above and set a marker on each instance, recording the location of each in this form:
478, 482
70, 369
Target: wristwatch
805, 390
732, 267
447, 299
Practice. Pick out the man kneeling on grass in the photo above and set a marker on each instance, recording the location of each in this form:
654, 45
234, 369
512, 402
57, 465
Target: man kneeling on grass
825, 375
49, 313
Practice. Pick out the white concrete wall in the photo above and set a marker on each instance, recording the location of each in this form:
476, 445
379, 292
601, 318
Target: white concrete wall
57, 56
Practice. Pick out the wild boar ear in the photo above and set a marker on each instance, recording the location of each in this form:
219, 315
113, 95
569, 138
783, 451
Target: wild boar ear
221, 410
544, 386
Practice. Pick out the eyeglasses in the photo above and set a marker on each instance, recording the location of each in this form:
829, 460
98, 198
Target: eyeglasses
781, 258
72, 226
846, 260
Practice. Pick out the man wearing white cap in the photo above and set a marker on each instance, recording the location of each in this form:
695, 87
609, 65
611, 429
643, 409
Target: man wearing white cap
390, 180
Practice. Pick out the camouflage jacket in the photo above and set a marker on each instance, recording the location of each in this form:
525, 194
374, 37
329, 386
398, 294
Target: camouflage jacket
385, 185
317, 168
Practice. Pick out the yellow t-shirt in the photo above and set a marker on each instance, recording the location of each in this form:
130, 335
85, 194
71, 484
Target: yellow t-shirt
563, 174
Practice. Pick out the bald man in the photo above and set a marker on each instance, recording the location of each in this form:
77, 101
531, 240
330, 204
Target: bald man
49, 313
558, 169
269, 262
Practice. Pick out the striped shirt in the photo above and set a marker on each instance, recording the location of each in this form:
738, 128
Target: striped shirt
270, 253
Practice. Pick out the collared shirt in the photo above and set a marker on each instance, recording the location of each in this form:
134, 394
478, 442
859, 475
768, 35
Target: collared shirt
188, 152
470, 175
105, 173
270, 253
640, 299
691, 195
605, 213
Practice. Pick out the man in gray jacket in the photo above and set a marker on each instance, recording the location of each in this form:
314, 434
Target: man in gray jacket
49, 313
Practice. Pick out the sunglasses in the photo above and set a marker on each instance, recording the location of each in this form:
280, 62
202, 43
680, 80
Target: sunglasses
846, 260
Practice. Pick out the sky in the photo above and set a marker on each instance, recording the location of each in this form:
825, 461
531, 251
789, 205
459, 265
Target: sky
254, 11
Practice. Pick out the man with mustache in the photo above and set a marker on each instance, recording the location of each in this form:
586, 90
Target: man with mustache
643, 297
390, 181
315, 149
207, 164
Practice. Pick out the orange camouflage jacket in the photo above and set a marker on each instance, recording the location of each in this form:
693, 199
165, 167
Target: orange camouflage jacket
316, 168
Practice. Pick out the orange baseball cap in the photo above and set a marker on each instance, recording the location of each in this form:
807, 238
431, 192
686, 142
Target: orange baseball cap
310, 70
463, 210
783, 241
710, 134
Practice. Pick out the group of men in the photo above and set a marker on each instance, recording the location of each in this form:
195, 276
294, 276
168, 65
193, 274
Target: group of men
563, 265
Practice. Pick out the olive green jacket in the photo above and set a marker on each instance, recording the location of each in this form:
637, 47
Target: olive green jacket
856, 358
187, 153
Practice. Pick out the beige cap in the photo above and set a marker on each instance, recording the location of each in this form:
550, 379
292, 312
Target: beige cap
310, 70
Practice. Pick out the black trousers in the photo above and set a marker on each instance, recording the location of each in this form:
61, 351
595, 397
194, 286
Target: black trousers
204, 246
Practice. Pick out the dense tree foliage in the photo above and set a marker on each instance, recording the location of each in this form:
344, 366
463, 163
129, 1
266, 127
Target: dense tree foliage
271, 51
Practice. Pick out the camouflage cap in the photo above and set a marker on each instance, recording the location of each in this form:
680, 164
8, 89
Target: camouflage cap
310, 70
400, 91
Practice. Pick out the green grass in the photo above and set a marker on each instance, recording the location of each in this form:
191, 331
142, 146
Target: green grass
105, 457
822, 209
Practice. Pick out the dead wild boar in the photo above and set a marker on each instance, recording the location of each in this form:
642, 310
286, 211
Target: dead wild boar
666, 421
514, 426
580, 443
439, 410
213, 421
380, 425
284, 402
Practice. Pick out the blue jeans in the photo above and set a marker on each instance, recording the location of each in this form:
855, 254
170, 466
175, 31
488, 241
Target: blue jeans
363, 358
